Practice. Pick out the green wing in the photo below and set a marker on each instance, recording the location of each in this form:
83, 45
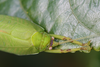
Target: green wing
15, 35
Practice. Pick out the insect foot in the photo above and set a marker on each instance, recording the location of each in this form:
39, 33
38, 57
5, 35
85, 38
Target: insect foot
87, 48
86, 44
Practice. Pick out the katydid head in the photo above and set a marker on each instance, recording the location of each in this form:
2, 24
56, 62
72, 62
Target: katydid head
40, 40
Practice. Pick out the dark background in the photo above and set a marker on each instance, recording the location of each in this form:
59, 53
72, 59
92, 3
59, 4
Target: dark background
43, 59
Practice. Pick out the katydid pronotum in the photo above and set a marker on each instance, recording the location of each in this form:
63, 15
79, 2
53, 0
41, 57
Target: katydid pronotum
21, 37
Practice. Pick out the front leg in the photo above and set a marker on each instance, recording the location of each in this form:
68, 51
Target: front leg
87, 48
67, 38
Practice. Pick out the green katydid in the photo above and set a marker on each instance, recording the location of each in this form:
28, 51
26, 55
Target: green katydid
21, 37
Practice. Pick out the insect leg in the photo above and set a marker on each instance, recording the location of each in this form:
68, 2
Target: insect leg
68, 50
67, 38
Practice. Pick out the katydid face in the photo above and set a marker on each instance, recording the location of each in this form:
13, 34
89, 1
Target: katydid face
41, 40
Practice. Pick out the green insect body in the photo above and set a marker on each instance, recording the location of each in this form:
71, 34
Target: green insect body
21, 37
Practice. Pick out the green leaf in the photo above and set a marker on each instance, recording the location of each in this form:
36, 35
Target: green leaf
70, 18
12, 8
87, 13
